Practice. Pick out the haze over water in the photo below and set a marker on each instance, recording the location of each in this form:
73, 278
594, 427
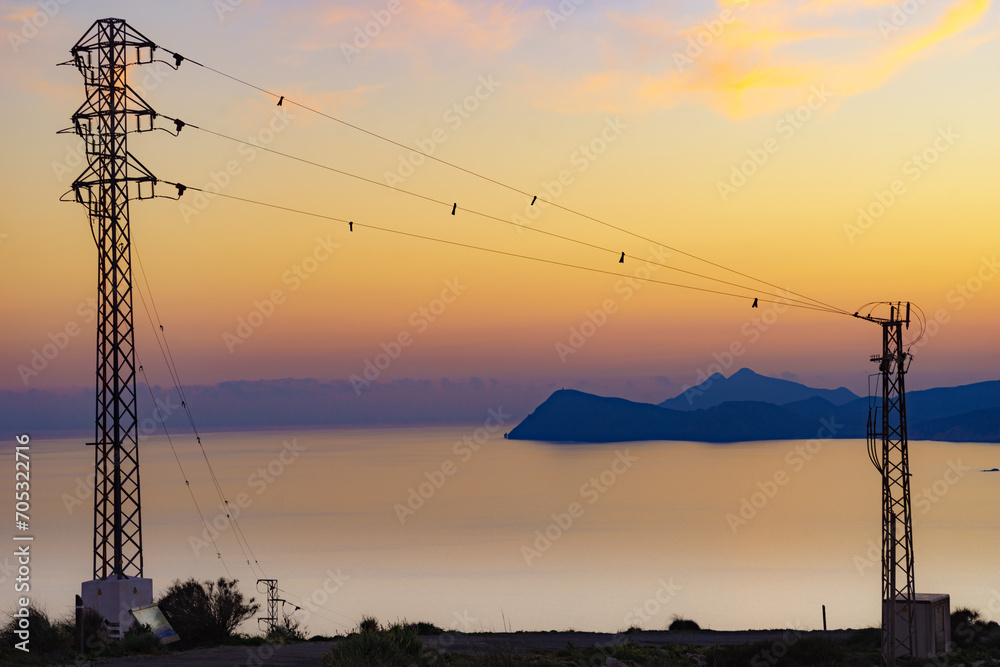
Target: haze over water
654, 542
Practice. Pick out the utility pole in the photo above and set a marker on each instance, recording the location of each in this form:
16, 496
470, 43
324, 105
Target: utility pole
112, 178
887, 427
272, 603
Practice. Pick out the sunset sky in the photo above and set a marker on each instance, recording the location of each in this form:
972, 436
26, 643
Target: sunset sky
749, 133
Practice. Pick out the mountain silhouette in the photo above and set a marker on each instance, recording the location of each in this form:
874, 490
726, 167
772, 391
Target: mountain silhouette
574, 416
745, 385
969, 413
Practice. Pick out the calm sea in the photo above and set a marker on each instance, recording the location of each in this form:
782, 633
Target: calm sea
462, 528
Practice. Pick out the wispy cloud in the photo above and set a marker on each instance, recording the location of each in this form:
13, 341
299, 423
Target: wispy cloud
420, 25
747, 58
830, 6
16, 13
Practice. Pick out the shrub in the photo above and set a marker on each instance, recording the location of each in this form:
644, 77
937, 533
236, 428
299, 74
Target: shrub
46, 637
426, 629
207, 611
679, 623
396, 645
968, 629
369, 624
139, 639
287, 631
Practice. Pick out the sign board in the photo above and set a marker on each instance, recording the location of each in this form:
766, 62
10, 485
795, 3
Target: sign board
154, 618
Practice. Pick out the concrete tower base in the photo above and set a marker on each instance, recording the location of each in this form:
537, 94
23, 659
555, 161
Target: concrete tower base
112, 598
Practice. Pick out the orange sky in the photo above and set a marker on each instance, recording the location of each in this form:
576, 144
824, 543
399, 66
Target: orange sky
747, 133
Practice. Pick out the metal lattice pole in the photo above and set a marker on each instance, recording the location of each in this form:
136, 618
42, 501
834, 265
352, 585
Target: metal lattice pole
272, 603
898, 590
111, 179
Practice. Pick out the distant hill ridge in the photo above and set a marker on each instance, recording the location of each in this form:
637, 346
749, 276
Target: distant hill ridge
747, 406
745, 385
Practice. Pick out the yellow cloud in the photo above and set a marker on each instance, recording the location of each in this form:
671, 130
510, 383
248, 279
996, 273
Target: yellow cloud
827, 6
956, 19
754, 58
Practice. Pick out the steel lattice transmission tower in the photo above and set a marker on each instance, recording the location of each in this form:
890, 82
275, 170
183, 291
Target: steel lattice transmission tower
112, 178
888, 447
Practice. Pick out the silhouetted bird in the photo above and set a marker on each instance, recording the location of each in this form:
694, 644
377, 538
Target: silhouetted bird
622, 259
754, 303
454, 207
350, 226
282, 99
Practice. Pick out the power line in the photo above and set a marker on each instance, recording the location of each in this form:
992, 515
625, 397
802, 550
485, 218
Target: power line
168, 359
313, 609
187, 483
282, 99
175, 377
814, 304
452, 206
241, 539
510, 254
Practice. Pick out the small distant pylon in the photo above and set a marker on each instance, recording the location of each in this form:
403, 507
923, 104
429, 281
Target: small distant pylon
271, 590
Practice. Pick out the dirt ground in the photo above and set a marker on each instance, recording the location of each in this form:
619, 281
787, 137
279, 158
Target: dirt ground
310, 653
